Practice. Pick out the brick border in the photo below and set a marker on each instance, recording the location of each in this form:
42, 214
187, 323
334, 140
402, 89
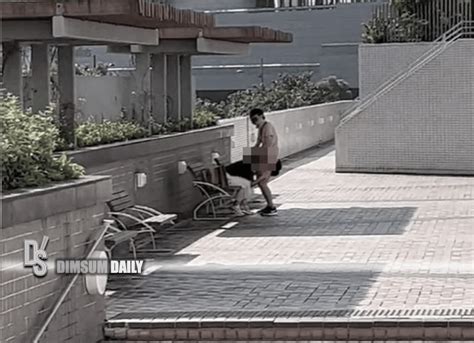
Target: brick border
288, 329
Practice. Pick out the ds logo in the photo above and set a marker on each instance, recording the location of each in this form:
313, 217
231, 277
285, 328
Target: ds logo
36, 257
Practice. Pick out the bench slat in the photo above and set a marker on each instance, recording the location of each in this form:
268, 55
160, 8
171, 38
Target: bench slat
122, 236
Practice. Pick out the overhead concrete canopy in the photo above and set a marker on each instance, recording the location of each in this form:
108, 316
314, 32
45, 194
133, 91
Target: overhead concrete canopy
138, 13
82, 22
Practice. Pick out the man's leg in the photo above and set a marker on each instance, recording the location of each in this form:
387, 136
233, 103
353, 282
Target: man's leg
267, 193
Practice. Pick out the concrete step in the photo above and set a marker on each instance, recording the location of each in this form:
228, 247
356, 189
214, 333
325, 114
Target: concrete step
146, 327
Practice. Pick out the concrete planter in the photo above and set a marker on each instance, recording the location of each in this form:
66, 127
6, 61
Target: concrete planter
158, 158
70, 214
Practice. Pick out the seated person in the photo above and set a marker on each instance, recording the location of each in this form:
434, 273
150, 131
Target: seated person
240, 174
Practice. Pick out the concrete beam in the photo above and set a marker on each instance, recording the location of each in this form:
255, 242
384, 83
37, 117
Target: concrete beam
140, 102
12, 72
66, 72
101, 32
220, 47
26, 30
158, 88
40, 77
173, 87
186, 87
199, 46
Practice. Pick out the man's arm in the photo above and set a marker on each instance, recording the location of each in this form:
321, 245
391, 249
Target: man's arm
259, 140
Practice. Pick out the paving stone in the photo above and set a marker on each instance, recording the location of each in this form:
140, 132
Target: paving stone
382, 243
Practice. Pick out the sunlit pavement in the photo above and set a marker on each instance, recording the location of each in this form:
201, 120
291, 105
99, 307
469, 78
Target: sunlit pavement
353, 246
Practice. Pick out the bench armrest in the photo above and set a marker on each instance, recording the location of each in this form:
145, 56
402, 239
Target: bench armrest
129, 216
203, 185
149, 209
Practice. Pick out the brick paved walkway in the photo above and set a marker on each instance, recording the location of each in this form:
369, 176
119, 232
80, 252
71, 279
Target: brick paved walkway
377, 246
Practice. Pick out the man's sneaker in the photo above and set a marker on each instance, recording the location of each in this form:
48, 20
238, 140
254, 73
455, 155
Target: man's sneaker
269, 211
262, 209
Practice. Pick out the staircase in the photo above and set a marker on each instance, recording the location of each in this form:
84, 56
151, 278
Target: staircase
420, 121
462, 29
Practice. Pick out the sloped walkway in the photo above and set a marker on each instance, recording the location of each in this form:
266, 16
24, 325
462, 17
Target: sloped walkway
345, 247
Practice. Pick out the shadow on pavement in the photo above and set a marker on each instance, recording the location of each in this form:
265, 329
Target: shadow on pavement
326, 222
207, 289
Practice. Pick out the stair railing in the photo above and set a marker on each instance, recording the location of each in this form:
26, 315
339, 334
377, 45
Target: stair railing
463, 28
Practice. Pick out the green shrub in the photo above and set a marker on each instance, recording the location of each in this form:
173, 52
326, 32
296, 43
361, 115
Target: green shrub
91, 133
405, 26
288, 91
27, 145
203, 118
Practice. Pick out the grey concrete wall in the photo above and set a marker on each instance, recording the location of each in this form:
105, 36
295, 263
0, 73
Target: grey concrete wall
379, 62
311, 29
70, 214
158, 157
212, 4
99, 98
423, 125
298, 128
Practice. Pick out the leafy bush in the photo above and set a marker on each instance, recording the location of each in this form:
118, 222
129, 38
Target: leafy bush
203, 118
288, 91
90, 133
405, 26
27, 145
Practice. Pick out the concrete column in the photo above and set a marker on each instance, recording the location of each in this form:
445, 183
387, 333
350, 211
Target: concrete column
141, 104
66, 92
158, 87
173, 92
40, 77
186, 80
12, 73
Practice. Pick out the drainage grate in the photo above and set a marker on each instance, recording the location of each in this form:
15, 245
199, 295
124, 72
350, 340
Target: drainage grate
339, 314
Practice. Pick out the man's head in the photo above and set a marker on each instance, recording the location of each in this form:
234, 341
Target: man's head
257, 117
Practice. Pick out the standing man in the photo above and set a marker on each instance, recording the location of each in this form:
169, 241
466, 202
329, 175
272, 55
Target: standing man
264, 157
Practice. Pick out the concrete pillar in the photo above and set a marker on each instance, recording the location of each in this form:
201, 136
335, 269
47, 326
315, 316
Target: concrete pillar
173, 92
158, 87
12, 73
186, 80
141, 104
40, 77
66, 93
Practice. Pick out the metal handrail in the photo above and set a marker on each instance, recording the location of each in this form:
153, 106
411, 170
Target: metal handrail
64, 293
443, 42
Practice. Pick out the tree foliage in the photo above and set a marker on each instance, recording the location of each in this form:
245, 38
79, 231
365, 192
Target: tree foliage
27, 145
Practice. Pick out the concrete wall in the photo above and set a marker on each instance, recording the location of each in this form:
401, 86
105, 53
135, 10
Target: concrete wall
424, 125
298, 129
311, 30
158, 157
99, 98
379, 62
211, 4
71, 215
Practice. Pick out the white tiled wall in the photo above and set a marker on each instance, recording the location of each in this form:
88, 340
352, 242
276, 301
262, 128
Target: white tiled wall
425, 124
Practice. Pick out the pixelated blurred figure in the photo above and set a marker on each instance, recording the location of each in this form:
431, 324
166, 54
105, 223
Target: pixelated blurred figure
263, 157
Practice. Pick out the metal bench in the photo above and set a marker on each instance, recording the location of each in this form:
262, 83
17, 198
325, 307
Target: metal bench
135, 218
214, 187
114, 237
